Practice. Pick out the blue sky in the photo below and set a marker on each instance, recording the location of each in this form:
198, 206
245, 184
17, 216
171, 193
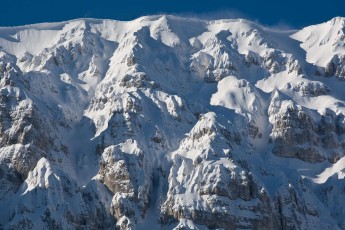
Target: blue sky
290, 13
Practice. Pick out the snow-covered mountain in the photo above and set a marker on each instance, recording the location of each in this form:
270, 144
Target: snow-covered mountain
172, 123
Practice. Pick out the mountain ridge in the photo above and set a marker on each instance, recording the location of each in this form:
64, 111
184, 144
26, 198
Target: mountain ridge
172, 123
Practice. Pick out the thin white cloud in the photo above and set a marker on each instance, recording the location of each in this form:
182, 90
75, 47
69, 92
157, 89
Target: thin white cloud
214, 15
229, 14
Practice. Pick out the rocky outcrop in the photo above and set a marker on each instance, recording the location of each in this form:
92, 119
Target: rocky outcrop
295, 134
336, 67
311, 89
212, 194
121, 171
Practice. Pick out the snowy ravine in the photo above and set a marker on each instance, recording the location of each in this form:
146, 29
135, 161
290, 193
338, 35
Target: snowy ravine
172, 123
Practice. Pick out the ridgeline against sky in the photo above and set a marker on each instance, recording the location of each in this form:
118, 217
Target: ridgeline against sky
293, 13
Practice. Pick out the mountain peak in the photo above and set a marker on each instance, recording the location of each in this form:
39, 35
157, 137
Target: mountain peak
324, 41
337, 21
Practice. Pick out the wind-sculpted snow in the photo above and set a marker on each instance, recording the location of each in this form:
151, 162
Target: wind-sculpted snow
172, 123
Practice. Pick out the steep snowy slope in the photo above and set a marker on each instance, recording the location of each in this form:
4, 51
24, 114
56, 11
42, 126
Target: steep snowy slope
324, 46
172, 123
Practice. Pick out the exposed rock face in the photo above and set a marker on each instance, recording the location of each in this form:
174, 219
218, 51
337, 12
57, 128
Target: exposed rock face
293, 131
296, 135
212, 194
311, 89
171, 123
336, 67
122, 173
